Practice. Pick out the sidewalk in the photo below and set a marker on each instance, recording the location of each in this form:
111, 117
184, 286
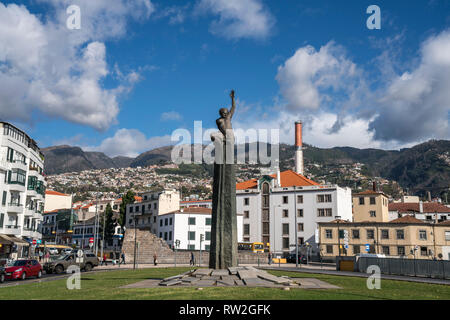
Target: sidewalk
315, 269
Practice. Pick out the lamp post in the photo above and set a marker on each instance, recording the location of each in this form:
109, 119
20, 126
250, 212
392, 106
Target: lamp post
202, 237
177, 245
296, 229
135, 227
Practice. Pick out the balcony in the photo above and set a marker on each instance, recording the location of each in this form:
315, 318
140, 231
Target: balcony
11, 230
17, 164
18, 187
15, 208
28, 212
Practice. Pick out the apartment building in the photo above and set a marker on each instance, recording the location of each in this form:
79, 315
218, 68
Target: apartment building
56, 200
426, 211
189, 225
405, 237
144, 214
22, 190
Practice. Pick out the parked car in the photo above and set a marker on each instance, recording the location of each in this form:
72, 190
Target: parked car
66, 251
22, 269
291, 258
61, 263
52, 251
2, 274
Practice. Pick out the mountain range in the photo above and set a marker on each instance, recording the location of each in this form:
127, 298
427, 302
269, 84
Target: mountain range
424, 167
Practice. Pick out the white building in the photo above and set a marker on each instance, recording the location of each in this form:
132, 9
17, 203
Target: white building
22, 186
57, 200
144, 214
280, 207
187, 225
426, 211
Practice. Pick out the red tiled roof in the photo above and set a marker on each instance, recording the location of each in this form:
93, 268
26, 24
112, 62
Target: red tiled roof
136, 198
52, 211
195, 201
407, 219
289, 178
428, 207
55, 193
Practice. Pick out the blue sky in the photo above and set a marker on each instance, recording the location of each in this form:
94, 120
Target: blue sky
137, 70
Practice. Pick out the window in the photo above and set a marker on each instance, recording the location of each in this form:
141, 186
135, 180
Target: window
300, 213
207, 246
160, 234
422, 235
246, 229
386, 250
299, 199
401, 251
320, 198
400, 235
155, 205
356, 250
285, 199
246, 214
355, 234
330, 249
329, 234
372, 213
161, 222
207, 221
166, 222
423, 251
328, 198
301, 240
165, 236
285, 243
384, 234
17, 176
131, 209
2, 218
285, 228
285, 213
447, 235
300, 227
265, 228
191, 235
361, 200
324, 212
191, 247
5, 195
246, 201
265, 215
137, 208
207, 236
191, 221
370, 234
170, 221
372, 200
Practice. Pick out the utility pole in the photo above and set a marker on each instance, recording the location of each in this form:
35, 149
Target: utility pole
202, 236
135, 227
296, 229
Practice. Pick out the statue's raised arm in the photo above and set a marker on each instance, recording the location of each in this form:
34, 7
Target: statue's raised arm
233, 103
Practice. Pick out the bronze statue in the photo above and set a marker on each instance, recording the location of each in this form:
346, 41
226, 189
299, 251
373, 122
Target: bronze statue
224, 122
223, 248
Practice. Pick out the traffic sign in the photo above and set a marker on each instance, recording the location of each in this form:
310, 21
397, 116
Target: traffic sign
39, 241
34, 242
367, 247
91, 240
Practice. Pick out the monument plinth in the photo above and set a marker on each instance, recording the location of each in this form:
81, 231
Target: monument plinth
223, 248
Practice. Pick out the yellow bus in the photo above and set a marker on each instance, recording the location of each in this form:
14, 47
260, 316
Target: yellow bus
251, 246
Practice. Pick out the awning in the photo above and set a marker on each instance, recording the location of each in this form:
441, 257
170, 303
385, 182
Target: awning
14, 240
5, 239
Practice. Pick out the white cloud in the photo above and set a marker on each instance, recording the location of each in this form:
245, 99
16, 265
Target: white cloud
47, 67
416, 104
308, 78
129, 142
238, 19
171, 116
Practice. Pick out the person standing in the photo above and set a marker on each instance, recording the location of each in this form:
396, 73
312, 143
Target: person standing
192, 262
123, 258
104, 260
155, 259
269, 256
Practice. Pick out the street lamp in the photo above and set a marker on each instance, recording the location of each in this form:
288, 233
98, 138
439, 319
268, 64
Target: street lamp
202, 237
135, 227
177, 245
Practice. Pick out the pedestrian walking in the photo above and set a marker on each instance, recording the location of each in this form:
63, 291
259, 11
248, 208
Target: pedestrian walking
270, 258
123, 258
155, 259
192, 262
41, 254
104, 260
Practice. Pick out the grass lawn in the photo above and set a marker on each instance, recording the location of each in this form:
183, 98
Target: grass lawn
105, 285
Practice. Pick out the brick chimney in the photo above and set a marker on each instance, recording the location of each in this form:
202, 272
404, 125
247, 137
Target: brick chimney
374, 186
299, 148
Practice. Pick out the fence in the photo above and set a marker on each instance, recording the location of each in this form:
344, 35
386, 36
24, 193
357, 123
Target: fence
408, 267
